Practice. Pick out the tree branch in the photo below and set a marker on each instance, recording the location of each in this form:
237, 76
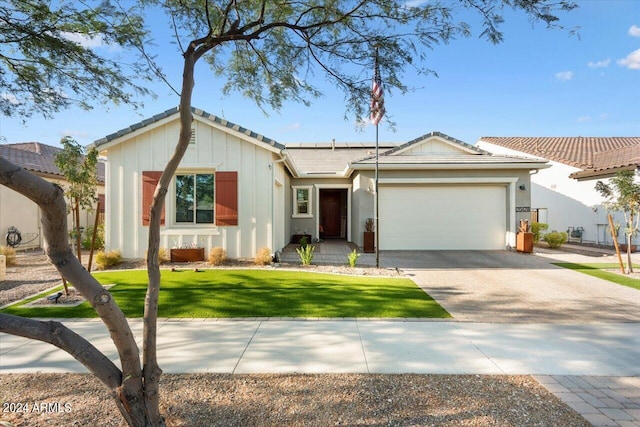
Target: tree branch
57, 334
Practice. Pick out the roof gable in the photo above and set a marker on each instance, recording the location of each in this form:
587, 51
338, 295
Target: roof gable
434, 143
198, 114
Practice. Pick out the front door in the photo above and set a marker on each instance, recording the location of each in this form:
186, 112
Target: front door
333, 212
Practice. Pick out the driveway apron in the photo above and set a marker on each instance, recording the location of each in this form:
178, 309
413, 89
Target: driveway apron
507, 287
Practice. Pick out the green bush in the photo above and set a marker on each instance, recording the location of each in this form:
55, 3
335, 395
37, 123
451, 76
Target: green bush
555, 239
537, 228
10, 253
108, 259
88, 235
306, 254
352, 258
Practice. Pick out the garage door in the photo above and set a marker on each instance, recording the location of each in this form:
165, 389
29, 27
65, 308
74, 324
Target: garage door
442, 217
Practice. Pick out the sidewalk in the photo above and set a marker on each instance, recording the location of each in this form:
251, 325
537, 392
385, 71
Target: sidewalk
561, 357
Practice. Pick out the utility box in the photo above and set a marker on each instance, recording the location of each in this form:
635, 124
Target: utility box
3, 268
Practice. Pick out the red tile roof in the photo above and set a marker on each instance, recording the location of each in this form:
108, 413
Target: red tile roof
580, 152
37, 157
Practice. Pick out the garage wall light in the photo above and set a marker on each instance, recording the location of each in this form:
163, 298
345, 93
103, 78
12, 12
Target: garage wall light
522, 187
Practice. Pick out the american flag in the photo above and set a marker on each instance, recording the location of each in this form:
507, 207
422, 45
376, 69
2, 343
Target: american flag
377, 96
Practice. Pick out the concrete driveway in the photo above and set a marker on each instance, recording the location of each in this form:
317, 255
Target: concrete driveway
509, 287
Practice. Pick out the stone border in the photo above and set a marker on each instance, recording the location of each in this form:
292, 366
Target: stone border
38, 302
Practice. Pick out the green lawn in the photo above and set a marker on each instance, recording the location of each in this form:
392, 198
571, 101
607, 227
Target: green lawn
598, 270
258, 293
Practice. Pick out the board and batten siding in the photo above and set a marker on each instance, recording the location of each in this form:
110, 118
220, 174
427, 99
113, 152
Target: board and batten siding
214, 150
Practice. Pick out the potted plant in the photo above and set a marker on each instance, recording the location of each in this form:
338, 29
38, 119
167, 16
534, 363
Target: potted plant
369, 236
524, 238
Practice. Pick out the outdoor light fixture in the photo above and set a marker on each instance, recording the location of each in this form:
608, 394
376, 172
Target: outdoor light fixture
522, 187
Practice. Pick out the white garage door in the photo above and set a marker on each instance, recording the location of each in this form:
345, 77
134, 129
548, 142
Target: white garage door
442, 217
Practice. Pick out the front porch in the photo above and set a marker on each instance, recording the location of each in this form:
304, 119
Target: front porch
330, 251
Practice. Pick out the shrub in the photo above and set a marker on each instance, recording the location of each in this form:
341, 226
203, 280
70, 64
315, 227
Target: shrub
163, 256
352, 258
555, 239
306, 254
304, 242
108, 259
88, 235
217, 256
263, 257
10, 253
537, 228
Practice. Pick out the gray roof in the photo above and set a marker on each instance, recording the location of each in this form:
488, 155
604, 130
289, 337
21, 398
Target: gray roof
38, 157
329, 158
196, 112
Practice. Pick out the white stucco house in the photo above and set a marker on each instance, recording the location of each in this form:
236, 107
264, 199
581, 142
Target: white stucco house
564, 194
21, 213
242, 191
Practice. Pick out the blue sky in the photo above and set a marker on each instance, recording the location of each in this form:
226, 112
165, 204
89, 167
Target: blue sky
538, 82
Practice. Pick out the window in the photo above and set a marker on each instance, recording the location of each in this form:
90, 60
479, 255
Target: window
194, 198
302, 202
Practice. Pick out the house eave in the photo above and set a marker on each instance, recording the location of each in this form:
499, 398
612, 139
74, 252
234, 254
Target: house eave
588, 175
449, 166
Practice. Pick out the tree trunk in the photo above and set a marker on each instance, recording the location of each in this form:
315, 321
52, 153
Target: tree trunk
76, 211
629, 242
128, 389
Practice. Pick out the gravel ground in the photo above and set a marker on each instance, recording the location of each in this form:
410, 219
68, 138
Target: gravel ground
276, 400
297, 400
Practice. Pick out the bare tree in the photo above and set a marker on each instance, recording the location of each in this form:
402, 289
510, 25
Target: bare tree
270, 51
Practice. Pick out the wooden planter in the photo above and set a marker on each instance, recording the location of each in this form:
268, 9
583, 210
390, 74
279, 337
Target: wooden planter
369, 242
187, 255
623, 248
524, 242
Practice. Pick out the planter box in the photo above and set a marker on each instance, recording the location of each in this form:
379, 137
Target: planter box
295, 239
369, 242
524, 242
623, 248
187, 255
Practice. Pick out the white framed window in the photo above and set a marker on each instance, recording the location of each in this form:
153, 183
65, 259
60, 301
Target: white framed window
302, 201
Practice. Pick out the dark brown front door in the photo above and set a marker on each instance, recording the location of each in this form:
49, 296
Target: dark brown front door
333, 213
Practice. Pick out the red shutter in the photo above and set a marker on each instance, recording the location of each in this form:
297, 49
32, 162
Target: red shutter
149, 182
226, 198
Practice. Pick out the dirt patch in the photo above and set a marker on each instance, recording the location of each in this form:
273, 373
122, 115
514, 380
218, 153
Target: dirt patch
296, 400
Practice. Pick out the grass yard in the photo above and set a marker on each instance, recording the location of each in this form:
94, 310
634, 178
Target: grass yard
257, 293
599, 270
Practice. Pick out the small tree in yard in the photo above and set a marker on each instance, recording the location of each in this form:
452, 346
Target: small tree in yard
81, 173
622, 194
267, 50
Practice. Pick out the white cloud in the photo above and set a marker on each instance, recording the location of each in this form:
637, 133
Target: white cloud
564, 76
599, 64
632, 61
10, 98
604, 116
83, 39
583, 119
634, 31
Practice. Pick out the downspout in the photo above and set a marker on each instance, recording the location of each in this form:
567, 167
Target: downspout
273, 205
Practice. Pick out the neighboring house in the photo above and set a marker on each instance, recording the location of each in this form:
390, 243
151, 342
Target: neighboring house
18, 211
564, 195
242, 191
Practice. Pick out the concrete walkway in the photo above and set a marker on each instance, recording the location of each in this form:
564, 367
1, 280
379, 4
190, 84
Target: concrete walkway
593, 368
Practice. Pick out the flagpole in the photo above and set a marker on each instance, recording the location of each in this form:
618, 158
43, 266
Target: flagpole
377, 213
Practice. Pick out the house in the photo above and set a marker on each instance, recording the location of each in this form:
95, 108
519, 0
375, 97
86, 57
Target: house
18, 211
564, 195
243, 191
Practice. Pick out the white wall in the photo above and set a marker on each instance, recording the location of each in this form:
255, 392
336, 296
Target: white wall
215, 149
569, 202
18, 211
